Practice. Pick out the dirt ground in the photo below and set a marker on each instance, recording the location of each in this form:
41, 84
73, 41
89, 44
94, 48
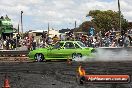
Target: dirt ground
59, 74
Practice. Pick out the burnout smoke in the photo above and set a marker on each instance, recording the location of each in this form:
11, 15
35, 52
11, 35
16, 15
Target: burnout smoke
113, 54
109, 54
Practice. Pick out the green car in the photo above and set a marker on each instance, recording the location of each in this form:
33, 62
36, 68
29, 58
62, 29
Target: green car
61, 50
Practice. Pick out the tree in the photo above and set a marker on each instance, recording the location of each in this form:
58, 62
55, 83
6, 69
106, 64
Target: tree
129, 25
107, 20
85, 26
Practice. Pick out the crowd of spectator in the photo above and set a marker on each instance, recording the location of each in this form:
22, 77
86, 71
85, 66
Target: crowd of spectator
110, 39
107, 39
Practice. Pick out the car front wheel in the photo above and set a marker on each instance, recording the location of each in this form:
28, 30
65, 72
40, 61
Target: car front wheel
39, 57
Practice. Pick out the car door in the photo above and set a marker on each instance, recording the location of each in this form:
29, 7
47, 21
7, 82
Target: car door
69, 49
57, 51
65, 51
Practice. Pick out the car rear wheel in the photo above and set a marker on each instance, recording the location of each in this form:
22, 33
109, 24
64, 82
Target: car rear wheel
39, 57
74, 56
79, 55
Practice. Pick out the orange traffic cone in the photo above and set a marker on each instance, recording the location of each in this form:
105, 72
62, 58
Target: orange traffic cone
6, 83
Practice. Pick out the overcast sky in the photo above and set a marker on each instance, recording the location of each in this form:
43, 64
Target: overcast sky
59, 13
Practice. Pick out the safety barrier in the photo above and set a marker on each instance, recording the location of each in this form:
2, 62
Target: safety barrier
13, 53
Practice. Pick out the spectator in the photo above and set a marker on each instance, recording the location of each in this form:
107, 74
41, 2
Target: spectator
126, 41
130, 38
49, 41
120, 41
7, 43
55, 39
34, 44
28, 44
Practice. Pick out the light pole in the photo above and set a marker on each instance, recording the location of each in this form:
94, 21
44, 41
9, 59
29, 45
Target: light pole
22, 23
48, 31
75, 24
75, 29
119, 15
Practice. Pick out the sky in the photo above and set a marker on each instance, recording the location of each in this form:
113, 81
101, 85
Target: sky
60, 14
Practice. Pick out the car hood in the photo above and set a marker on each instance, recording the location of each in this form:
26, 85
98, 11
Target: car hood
88, 48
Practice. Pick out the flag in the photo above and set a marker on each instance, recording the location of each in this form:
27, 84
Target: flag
91, 31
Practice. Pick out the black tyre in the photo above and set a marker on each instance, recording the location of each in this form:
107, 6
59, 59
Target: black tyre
39, 57
74, 55
79, 55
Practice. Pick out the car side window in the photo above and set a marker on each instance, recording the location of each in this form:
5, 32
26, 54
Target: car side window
58, 45
76, 46
69, 45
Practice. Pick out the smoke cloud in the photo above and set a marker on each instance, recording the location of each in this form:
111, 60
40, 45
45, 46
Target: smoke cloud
109, 54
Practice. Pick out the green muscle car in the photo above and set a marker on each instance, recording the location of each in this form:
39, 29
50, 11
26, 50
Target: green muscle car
61, 50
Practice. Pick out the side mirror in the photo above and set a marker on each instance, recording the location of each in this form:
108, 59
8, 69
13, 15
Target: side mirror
62, 47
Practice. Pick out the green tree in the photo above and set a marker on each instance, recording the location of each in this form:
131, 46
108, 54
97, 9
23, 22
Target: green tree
129, 25
85, 26
107, 20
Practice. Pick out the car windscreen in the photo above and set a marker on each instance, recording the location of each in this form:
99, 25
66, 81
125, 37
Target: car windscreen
81, 44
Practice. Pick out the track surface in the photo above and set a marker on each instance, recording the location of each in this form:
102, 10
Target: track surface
59, 74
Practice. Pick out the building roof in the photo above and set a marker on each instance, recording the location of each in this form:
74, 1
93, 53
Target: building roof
37, 31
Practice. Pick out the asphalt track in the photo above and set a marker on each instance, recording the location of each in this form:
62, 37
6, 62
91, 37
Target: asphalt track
23, 74
60, 74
